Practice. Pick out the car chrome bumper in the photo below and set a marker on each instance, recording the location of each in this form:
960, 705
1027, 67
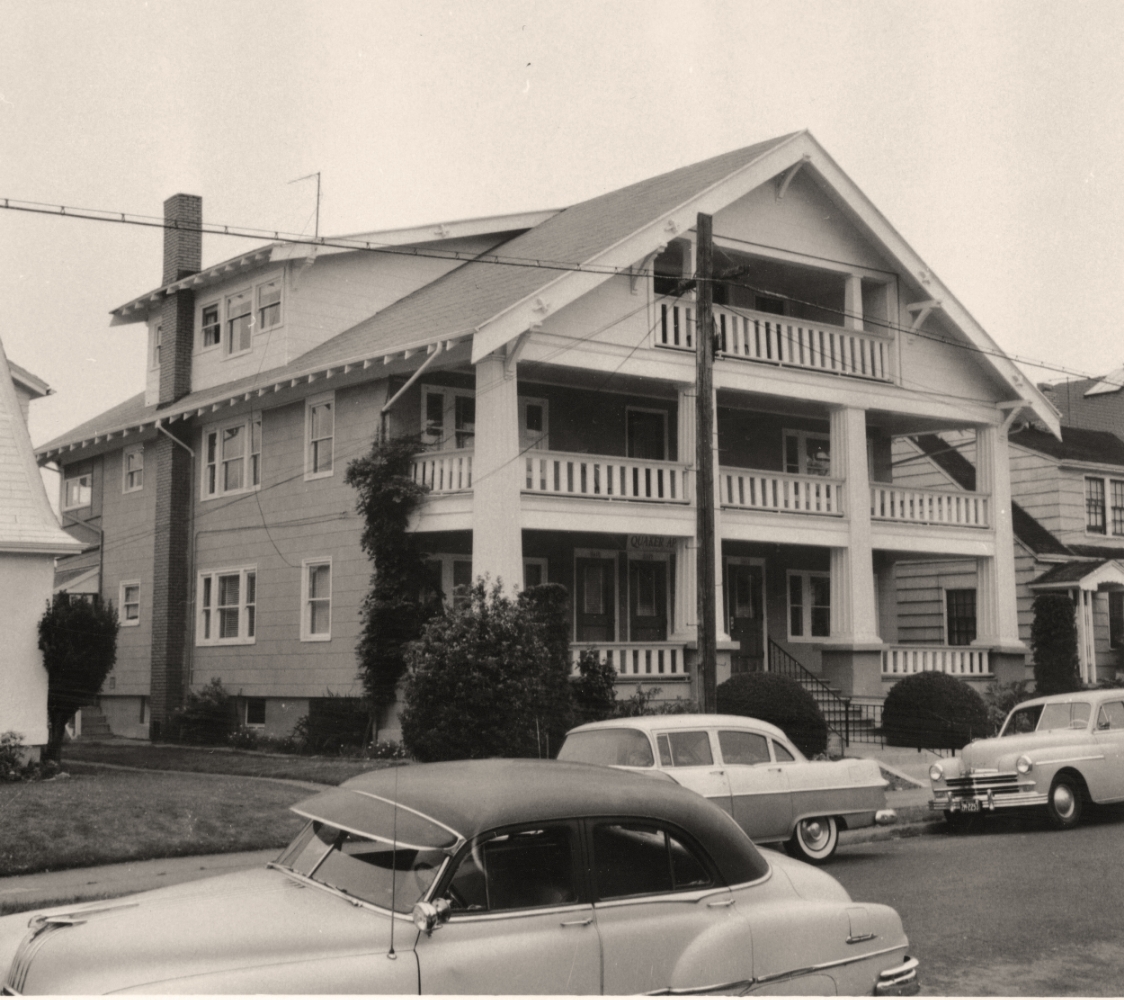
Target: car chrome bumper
944, 802
900, 981
885, 817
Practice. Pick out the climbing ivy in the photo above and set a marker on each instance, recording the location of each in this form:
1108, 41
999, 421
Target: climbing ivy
397, 605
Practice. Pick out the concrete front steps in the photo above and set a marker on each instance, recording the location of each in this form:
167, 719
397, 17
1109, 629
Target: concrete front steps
94, 725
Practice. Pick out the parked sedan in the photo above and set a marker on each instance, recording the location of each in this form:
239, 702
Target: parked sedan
483, 877
750, 769
1055, 753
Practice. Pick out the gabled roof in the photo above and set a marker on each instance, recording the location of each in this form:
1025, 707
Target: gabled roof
27, 523
962, 472
1084, 573
34, 385
1075, 445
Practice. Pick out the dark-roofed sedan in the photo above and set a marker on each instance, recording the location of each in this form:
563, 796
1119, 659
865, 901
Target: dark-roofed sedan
483, 877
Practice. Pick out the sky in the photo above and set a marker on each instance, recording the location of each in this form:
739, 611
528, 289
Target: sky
991, 135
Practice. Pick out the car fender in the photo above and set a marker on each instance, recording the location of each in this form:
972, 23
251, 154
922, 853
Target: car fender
728, 935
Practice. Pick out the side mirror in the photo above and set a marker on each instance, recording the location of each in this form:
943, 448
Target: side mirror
428, 916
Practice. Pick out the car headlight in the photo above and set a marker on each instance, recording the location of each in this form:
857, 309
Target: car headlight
936, 772
1023, 764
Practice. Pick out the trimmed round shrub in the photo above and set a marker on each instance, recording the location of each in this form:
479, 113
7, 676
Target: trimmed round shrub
780, 700
933, 711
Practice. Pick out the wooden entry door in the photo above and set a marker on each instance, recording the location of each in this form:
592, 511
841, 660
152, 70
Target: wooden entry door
596, 603
647, 590
745, 611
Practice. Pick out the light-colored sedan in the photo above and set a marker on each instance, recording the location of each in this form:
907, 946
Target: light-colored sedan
483, 877
750, 769
1058, 753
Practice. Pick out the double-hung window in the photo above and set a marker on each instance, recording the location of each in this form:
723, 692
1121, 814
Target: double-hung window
269, 305
227, 602
239, 322
960, 606
320, 431
133, 469
316, 600
1104, 506
809, 605
129, 603
212, 327
448, 417
1094, 505
232, 457
77, 492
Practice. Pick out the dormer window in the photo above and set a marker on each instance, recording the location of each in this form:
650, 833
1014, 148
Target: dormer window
239, 322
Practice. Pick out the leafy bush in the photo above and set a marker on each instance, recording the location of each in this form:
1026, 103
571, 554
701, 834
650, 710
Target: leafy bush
780, 700
78, 640
15, 765
548, 607
387, 750
479, 683
933, 711
1001, 698
642, 702
244, 738
1053, 638
594, 690
335, 724
209, 716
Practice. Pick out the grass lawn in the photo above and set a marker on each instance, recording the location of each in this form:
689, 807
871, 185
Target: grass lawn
210, 760
101, 817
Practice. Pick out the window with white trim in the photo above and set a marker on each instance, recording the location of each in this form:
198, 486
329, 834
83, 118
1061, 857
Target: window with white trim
132, 469
1104, 506
269, 305
807, 453
211, 324
129, 603
239, 322
77, 492
157, 339
448, 417
452, 576
232, 457
960, 616
809, 605
227, 602
316, 600
320, 431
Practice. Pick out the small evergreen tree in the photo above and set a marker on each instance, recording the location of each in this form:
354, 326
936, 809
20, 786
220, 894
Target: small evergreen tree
594, 690
480, 683
548, 605
79, 643
397, 605
1053, 639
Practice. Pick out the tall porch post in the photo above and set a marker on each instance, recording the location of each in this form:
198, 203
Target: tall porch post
497, 537
685, 625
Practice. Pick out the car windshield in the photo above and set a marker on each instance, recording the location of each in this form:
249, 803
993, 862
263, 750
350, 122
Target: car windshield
368, 869
1043, 718
608, 747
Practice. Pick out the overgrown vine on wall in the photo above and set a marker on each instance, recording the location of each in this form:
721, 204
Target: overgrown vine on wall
394, 609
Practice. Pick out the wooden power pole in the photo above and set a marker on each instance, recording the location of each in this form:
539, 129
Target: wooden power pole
704, 462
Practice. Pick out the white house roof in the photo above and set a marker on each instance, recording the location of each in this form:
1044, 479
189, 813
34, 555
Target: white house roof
27, 523
34, 385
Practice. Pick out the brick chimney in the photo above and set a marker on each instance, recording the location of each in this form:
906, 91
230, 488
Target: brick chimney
183, 256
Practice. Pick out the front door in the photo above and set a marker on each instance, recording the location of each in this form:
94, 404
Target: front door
647, 590
745, 610
596, 599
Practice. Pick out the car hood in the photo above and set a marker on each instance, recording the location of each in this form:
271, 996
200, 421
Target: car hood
1001, 751
254, 931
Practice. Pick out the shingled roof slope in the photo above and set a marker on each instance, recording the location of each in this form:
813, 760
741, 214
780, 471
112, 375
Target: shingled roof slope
1077, 445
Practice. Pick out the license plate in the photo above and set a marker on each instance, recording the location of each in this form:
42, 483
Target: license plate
969, 806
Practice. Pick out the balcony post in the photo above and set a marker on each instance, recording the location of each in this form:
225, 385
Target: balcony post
853, 303
497, 538
685, 626
997, 622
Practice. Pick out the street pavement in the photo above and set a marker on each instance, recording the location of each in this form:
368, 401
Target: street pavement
109, 881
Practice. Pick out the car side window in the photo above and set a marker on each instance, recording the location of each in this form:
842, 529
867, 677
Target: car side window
1111, 715
641, 859
513, 871
688, 749
782, 752
740, 747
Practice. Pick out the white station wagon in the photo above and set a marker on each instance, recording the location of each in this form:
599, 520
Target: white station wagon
750, 769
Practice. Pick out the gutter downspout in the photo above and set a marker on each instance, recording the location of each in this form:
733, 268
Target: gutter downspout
409, 382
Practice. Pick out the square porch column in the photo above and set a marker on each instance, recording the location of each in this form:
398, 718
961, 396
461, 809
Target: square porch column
497, 536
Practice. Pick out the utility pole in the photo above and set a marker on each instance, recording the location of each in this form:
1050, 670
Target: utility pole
704, 460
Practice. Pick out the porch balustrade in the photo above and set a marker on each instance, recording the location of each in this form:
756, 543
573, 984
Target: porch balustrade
779, 491
960, 661
604, 477
635, 659
778, 340
895, 503
444, 471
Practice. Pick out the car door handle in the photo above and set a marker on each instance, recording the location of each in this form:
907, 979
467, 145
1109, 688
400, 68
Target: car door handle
721, 902
717, 772
578, 923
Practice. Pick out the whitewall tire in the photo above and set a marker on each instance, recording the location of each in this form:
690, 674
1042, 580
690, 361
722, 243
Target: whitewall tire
814, 840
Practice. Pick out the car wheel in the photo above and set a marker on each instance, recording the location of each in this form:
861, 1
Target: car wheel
814, 840
1064, 803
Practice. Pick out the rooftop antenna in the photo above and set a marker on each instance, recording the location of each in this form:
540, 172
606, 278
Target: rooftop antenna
307, 177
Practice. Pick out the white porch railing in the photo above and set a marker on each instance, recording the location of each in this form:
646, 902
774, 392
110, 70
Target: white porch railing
635, 659
604, 477
896, 503
778, 491
779, 340
961, 661
444, 471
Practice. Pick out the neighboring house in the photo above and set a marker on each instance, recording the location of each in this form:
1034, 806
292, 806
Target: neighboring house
551, 381
30, 540
1068, 509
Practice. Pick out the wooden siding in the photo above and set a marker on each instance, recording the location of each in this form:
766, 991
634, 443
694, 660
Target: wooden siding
920, 588
1034, 486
